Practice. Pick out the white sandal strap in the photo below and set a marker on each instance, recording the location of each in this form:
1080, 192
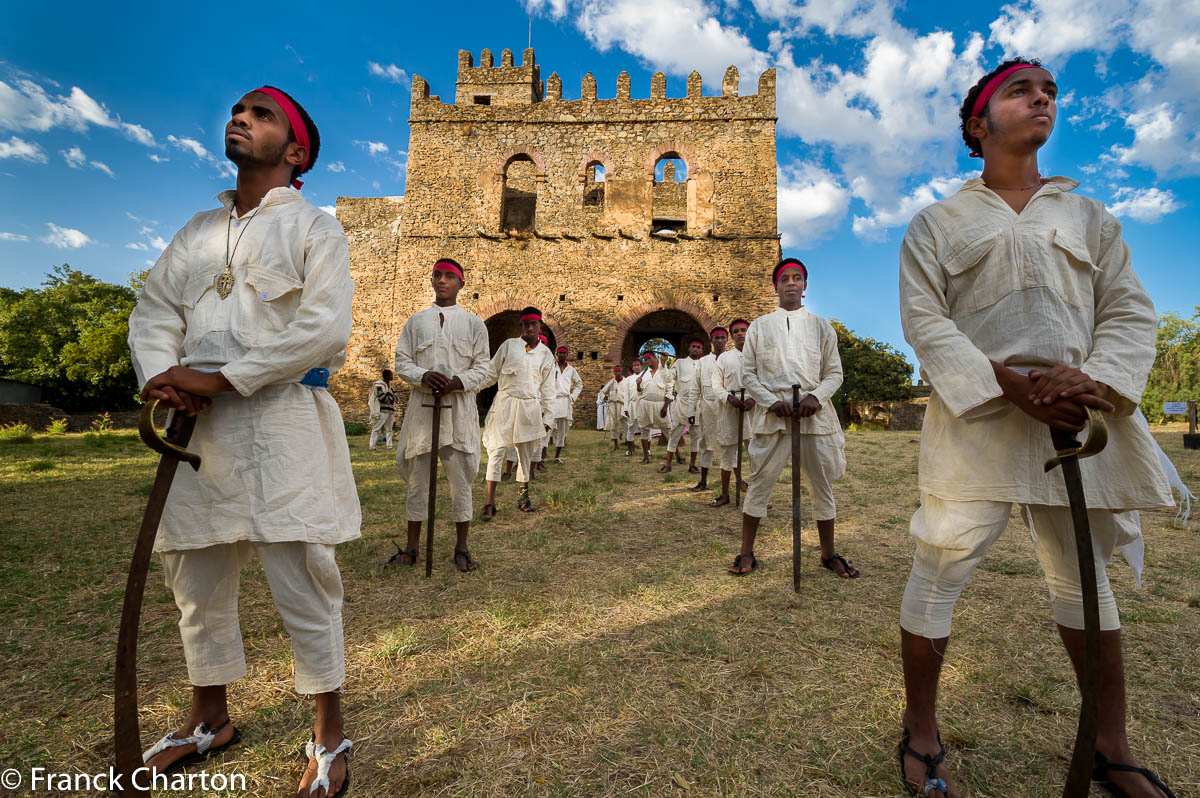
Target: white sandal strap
202, 737
324, 757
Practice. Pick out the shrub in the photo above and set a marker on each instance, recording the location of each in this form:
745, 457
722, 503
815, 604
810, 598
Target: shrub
16, 433
57, 426
355, 428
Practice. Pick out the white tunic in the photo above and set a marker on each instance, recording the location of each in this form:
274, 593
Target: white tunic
727, 379
275, 464
525, 387
613, 395
1050, 285
629, 395
686, 375
453, 342
708, 398
786, 348
568, 386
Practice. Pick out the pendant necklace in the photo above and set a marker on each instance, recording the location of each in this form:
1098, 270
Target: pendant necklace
225, 281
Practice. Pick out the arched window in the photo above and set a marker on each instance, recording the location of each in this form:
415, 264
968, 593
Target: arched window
670, 199
518, 205
593, 185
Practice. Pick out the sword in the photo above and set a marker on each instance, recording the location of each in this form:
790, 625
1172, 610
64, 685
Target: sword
737, 475
797, 525
1067, 454
434, 445
127, 742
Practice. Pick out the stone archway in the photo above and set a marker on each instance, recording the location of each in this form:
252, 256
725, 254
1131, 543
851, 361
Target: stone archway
673, 320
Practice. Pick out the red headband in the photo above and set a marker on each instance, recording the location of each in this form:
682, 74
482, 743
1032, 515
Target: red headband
992, 85
452, 267
716, 330
543, 339
561, 349
739, 324
792, 265
299, 129
531, 317
648, 356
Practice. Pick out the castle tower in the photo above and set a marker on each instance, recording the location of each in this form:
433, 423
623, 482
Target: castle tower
622, 219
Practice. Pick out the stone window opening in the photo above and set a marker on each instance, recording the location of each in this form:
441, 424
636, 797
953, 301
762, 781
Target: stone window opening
562, 297
595, 355
669, 210
580, 356
593, 185
518, 205
483, 99
620, 297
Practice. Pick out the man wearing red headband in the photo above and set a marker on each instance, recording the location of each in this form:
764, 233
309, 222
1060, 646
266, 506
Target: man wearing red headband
442, 350
521, 413
708, 407
727, 383
244, 316
654, 387
793, 347
568, 386
613, 397
685, 373
1018, 298
629, 399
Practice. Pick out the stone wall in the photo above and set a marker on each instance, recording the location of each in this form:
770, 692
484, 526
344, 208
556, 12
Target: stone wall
891, 415
603, 276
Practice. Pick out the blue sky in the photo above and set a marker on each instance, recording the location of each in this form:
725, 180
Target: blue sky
110, 123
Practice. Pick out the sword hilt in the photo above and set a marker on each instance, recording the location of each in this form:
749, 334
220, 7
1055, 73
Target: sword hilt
795, 399
180, 429
1066, 444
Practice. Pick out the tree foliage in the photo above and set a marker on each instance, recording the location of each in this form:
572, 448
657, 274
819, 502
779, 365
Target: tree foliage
1175, 376
69, 337
874, 370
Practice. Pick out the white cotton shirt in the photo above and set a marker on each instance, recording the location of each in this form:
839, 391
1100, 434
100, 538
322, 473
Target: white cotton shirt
453, 342
686, 375
1051, 285
654, 387
525, 388
727, 379
275, 466
568, 386
786, 348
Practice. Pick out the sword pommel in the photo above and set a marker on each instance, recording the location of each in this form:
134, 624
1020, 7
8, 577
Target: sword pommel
1067, 445
165, 446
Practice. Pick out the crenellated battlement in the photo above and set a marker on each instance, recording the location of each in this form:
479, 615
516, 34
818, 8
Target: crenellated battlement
511, 92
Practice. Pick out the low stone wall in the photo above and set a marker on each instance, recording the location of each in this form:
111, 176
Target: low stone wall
39, 416
890, 415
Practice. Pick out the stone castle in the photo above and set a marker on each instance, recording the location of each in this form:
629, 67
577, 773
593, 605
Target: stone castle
622, 219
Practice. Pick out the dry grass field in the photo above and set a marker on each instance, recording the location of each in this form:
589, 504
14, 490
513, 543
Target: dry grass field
601, 649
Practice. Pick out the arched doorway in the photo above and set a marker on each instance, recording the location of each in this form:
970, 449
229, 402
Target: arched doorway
500, 327
670, 324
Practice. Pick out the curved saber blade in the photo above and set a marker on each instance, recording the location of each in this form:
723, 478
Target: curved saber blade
1068, 453
127, 742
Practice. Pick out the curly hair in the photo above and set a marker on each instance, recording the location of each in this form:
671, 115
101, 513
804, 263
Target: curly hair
964, 112
314, 135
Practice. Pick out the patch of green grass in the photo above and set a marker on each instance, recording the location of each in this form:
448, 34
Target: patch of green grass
33, 466
16, 432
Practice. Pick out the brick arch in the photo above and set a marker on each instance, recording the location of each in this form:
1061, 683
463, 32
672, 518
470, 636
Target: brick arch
489, 308
638, 311
511, 155
682, 150
595, 157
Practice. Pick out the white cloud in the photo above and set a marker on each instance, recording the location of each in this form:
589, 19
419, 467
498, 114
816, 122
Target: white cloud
388, 72
555, 9
77, 160
1051, 29
812, 202
74, 157
329, 209
25, 105
336, 166
159, 243
1146, 205
157, 158
19, 148
675, 36
139, 246
372, 147
875, 226
66, 237
854, 18
1164, 139
201, 153
13, 237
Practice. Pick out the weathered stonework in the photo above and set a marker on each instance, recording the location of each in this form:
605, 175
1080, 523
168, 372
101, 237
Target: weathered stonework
506, 182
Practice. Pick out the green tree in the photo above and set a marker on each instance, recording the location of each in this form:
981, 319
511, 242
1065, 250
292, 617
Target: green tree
1175, 376
874, 370
69, 337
